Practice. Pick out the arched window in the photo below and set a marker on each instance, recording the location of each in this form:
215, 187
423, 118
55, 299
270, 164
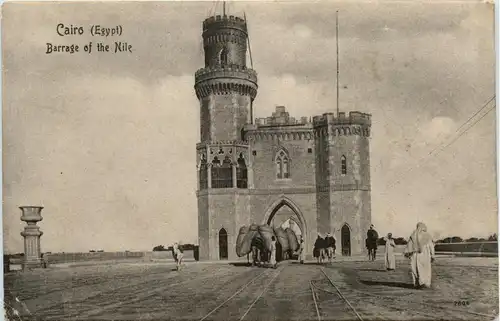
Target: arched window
343, 165
222, 174
282, 165
223, 57
203, 174
241, 173
223, 250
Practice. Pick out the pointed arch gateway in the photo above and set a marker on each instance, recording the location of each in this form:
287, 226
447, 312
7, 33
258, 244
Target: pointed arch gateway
299, 219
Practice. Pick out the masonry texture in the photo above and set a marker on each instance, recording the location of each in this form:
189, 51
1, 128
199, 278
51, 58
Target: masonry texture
316, 170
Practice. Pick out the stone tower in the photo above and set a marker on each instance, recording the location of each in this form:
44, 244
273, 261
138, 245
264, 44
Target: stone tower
343, 178
226, 89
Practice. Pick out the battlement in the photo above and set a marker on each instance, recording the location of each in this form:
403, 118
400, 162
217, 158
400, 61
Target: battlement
219, 143
224, 22
354, 118
287, 127
280, 117
229, 71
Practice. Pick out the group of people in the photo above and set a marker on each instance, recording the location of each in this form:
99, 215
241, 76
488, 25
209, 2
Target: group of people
419, 250
325, 248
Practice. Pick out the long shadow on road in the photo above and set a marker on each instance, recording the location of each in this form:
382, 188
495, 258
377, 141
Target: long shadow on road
388, 283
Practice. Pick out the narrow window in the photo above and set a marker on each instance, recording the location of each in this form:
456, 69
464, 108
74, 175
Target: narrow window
310, 150
223, 59
344, 165
241, 173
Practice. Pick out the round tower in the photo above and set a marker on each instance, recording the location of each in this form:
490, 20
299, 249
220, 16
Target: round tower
225, 87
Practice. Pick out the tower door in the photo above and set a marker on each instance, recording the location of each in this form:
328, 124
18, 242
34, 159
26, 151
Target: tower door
346, 240
223, 253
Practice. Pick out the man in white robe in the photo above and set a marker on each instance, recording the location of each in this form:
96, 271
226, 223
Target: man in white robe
178, 255
390, 258
272, 259
302, 253
420, 251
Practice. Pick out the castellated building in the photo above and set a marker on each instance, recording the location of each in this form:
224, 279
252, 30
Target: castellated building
311, 172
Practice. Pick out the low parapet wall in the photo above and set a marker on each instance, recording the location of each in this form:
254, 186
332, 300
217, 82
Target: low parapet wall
464, 248
468, 247
61, 258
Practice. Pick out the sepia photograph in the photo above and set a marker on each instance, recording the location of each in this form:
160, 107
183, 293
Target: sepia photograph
249, 160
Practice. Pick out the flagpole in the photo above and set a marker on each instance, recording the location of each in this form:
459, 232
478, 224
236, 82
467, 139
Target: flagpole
337, 41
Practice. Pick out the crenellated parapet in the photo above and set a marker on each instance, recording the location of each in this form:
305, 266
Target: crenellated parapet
356, 123
224, 22
281, 133
354, 118
222, 143
223, 80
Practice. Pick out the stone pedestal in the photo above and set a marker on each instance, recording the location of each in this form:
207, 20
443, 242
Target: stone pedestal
32, 252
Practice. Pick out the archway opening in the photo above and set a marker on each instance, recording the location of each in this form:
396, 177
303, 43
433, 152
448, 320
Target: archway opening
284, 216
223, 252
346, 240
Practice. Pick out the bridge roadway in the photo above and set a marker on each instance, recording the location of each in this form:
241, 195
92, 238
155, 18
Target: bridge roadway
344, 290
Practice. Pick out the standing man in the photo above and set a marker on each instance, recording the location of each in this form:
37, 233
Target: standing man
319, 249
420, 251
330, 247
178, 255
371, 242
301, 250
272, 259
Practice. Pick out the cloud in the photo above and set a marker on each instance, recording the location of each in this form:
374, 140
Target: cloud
107, 143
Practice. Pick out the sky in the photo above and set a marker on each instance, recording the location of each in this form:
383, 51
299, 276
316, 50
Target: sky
106, 142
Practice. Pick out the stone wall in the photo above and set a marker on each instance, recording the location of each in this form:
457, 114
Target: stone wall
488, 247
301, 159
222, 117
203, 227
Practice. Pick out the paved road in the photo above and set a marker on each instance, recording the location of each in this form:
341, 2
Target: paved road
342, 291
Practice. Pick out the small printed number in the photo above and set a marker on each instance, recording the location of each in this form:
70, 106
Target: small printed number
461, 303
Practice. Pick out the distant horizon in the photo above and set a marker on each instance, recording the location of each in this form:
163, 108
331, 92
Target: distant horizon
196, 244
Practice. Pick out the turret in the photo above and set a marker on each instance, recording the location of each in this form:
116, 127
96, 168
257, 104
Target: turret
225, 87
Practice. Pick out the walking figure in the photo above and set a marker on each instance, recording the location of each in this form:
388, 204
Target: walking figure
178, 255
272, 259
301, 250
330, 247
420, 251
371, 243
319, 249
390, 258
